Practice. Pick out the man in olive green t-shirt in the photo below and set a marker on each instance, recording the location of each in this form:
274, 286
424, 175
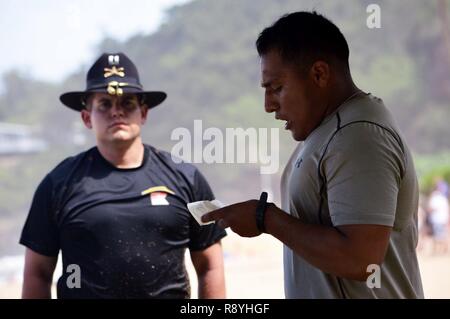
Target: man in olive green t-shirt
349, 216
370, 180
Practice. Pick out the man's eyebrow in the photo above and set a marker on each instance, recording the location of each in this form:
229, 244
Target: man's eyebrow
129, 97
270, 80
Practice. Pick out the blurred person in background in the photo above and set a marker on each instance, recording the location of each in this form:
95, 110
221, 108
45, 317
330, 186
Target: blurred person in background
423, 225
439, 216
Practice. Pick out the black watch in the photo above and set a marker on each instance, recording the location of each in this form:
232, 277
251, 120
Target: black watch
261, 212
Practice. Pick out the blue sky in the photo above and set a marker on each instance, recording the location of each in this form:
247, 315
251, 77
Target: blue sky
48, 39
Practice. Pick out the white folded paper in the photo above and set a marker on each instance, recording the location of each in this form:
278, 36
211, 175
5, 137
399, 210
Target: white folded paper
200, 208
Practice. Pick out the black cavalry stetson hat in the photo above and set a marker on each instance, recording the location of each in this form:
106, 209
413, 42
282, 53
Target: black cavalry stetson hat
114, 74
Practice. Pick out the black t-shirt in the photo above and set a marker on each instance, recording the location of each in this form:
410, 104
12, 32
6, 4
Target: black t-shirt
127, 229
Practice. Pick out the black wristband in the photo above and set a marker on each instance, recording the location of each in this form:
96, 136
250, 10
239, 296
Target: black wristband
261, 212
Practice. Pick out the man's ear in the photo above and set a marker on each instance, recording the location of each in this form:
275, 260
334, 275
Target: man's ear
86, 117
144, 113
320, 73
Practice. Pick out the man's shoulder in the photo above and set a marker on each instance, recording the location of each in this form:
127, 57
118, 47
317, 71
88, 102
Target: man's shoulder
369, 109
355, 117
59, 174
366, 120
69, 163
173, 162
186, 174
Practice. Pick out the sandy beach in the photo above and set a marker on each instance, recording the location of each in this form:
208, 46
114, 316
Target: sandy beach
253, 269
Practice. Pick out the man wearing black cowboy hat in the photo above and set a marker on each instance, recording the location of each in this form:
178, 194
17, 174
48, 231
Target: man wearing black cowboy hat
118, 211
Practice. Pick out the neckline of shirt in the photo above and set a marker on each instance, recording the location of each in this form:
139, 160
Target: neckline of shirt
109, 164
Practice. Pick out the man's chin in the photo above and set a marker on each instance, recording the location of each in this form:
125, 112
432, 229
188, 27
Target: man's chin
121, 137
297, 136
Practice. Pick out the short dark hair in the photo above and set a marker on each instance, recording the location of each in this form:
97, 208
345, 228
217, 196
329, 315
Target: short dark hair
303, 38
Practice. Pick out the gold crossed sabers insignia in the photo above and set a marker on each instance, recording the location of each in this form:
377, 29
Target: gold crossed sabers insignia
114, 88
114, 71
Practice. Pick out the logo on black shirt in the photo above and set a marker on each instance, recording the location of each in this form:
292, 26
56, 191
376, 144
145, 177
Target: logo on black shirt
158, 195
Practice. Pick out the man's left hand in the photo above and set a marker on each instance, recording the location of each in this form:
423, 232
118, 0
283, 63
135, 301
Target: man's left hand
240, 217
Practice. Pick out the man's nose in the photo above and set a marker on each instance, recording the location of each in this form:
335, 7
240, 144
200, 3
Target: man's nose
270, 104
116, 109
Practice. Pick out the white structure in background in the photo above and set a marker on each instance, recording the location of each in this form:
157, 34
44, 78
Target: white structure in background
266, 186
16, 139
79, 134
11, 269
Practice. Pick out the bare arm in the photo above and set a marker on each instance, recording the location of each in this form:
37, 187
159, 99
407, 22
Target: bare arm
208, 264
343, 251
38, 274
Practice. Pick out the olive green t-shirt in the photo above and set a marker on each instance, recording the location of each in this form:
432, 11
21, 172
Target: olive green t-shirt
355, 168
